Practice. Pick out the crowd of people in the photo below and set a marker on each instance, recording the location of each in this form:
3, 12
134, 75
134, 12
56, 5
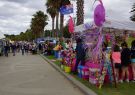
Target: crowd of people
122, 58
23, 47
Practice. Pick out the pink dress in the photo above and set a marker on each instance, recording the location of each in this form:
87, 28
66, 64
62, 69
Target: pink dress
116, 57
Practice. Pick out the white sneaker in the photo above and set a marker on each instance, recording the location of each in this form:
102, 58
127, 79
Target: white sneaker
121, 81
127, 80
133, 80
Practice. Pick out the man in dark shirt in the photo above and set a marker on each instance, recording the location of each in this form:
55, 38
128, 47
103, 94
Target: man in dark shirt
13, 48
6, 47
80, 53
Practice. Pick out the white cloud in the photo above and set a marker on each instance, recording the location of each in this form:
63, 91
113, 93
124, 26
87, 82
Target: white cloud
118, 9
15, 15
115, 9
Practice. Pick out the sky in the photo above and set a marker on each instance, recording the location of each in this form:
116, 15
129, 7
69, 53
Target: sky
15, 15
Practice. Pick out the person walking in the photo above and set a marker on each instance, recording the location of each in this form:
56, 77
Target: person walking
18, 47
40, 47
13, 46
6, 48
26, 48
23, 49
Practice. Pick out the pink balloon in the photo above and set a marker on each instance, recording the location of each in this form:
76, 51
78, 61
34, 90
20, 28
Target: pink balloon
71, 25
99, 15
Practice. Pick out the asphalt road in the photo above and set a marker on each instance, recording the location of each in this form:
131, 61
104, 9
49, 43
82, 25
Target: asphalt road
32, 75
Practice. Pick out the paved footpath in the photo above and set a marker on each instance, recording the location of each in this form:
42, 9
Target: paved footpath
32, 75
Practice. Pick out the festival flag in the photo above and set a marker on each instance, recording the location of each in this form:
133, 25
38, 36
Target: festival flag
67, 9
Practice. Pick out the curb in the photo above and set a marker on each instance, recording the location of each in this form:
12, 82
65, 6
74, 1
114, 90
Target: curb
81, 86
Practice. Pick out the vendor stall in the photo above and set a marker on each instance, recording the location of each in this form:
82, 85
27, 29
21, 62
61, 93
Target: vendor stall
100, 70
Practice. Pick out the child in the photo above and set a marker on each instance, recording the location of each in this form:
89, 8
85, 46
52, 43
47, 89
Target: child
107, 61
125, 61
116, 59
68, 45
133, 58
105, 54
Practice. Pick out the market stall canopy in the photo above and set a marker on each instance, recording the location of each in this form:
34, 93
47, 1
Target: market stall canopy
126, 25
83, 27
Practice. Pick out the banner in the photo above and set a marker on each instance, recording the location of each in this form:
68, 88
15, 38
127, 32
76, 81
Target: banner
68, 9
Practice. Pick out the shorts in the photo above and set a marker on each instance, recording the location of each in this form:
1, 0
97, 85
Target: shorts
132, 60
125, 65
117, 65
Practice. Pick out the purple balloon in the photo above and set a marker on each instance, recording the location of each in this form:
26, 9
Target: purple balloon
99, 15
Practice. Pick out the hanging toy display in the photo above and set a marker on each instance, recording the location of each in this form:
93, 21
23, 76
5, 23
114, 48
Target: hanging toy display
99, 14
99, 19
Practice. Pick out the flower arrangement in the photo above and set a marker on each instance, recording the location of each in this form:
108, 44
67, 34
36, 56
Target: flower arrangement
57, 48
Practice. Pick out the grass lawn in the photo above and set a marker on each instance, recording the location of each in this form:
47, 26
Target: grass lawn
107, 89
52, 58
130, 39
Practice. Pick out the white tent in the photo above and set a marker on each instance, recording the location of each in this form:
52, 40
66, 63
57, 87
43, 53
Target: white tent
1, 36
81, 28
126, 25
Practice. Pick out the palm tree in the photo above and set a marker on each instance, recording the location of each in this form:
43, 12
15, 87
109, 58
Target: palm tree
133, 12
52, 12
38, 23
57, 5
63, 3
80, 12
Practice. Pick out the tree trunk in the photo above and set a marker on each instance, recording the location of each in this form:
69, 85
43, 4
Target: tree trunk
57, 24
80, 12
41, 33
53, 27
61, 24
